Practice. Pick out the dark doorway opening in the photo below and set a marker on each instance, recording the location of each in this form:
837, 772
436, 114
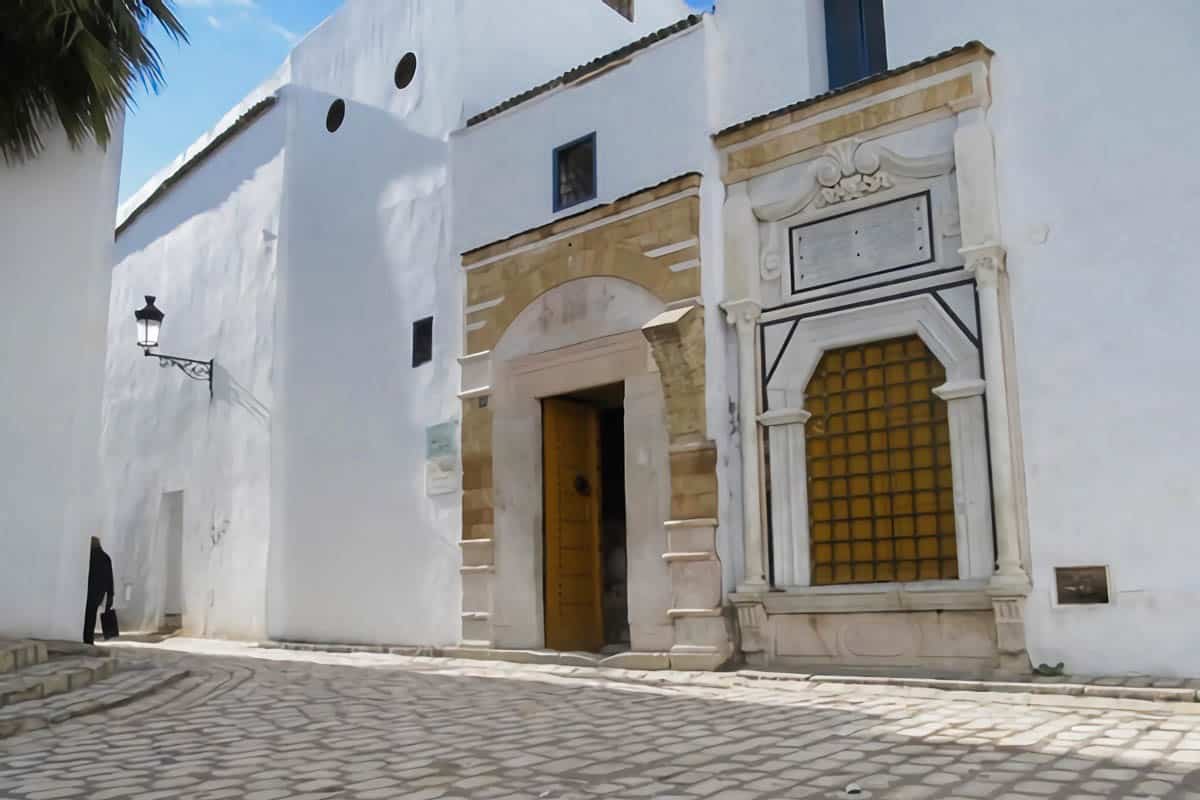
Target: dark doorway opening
609, 404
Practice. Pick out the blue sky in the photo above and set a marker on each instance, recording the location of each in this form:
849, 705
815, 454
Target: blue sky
235, 45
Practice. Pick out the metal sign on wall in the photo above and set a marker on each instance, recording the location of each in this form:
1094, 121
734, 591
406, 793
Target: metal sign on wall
441, 458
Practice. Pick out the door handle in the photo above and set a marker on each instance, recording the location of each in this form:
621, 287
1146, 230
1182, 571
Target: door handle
582, 486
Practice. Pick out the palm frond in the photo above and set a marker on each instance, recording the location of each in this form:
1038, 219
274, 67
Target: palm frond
75, 63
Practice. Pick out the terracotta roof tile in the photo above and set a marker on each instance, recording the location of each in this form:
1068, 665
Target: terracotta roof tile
850, 87
574, 74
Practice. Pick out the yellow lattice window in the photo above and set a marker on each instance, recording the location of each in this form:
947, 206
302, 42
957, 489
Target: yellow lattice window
880, 486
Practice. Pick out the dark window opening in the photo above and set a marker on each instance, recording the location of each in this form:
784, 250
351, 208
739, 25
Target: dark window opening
575, 172
422, 347
854, 40
406, 70
622, 7
336, 115
612, 530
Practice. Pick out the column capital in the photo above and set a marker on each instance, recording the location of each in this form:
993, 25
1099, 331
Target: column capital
742, 312
985, 262
784, 416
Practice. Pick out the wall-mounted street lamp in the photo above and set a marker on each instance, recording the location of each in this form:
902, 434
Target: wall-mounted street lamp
149, 322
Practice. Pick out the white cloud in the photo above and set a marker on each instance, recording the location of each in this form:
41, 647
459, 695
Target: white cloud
291, 37
251, 12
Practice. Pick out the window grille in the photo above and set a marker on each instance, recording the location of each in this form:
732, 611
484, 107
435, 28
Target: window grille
877, 449
575, 172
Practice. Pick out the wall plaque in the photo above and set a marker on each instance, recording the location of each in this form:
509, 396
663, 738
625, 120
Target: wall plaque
1079, 586
871, 241
441, 457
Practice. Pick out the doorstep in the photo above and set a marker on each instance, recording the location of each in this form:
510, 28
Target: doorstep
625, 660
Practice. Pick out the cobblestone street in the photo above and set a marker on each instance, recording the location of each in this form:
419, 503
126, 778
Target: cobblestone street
265, 724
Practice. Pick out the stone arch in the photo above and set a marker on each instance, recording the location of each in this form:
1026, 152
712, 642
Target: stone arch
575, 311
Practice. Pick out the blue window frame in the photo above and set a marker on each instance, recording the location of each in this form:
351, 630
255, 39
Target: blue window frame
575, 172
855, 44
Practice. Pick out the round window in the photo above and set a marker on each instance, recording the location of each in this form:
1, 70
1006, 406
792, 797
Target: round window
406, 70
335, 115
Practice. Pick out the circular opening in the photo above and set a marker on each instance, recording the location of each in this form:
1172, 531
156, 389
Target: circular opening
335, 116
405, 70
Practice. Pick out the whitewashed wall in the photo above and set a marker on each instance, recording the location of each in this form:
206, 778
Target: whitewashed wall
546, 37
652, 118
360, 552
299, 258
1097, 175
207, 249
56, 218
771, 54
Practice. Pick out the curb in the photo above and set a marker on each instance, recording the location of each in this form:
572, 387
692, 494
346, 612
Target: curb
1063, 689
567, 664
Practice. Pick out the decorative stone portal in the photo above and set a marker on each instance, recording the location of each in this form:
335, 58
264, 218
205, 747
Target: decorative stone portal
606, 297
866, 279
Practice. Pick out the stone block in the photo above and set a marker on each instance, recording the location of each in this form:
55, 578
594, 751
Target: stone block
701, 631
683, 537
696, 584
476, 630
637, 660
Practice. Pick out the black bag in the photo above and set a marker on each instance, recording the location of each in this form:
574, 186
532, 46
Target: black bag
108, 622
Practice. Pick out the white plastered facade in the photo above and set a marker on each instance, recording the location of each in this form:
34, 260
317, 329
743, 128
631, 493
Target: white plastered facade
298, 259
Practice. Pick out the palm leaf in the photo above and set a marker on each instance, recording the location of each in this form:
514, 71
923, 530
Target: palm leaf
74, 63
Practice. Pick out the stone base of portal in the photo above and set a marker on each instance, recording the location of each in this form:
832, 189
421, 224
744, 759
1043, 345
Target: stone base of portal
953, 630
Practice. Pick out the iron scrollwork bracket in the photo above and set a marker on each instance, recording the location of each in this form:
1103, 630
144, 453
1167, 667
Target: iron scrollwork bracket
194, 369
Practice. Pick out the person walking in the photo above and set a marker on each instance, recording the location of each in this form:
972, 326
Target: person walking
100, 585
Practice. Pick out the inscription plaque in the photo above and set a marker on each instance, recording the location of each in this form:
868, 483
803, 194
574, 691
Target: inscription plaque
872, 241
441, 453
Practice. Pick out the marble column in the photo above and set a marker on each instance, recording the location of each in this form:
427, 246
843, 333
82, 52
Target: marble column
974, 153
743, 315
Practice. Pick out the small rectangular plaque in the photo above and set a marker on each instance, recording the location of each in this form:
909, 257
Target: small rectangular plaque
441, 452
872, 241
1080, 586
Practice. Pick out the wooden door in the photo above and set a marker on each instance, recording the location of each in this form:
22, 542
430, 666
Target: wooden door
571, 465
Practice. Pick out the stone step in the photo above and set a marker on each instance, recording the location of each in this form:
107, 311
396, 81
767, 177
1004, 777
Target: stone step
54, 677
19, 654
127, 685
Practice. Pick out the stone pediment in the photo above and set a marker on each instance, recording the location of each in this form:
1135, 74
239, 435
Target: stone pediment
848, 170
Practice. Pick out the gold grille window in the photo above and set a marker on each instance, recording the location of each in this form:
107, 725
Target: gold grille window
880, 486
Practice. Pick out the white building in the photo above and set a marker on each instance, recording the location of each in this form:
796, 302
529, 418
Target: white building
56, 216
295, 503
846, 227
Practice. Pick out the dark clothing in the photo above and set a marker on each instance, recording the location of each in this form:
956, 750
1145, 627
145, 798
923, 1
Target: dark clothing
89, 621
100, 585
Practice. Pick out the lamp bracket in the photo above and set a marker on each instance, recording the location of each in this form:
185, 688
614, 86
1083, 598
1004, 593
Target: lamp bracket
193, 368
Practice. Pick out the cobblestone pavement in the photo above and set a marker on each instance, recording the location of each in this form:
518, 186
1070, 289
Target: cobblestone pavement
261, 725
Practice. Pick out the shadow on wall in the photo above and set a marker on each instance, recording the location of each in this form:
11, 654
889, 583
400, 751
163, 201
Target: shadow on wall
365, 232
228, 390
202, 189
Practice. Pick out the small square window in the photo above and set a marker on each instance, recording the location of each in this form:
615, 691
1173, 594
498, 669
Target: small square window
575, 172
422, 347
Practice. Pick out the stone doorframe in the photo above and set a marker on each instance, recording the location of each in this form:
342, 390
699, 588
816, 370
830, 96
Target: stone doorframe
523, 374
605, 296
